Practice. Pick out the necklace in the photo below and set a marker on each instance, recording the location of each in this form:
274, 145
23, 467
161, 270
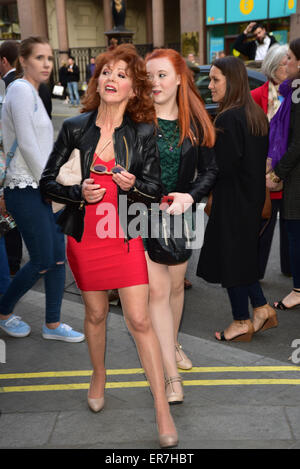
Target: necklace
171, 141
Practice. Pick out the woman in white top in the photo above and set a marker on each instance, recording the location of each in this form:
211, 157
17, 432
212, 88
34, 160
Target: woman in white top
28, 133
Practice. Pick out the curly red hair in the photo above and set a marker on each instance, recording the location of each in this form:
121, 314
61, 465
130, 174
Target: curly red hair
140, 107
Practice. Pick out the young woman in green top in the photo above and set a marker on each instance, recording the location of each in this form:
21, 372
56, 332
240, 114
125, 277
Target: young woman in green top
185, 138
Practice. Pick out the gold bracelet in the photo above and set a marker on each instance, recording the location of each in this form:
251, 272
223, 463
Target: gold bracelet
274, 178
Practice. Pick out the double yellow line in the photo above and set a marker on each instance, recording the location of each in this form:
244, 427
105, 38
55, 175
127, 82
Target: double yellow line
140, 371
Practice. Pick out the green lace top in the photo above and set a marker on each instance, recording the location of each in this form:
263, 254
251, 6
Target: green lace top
167, 140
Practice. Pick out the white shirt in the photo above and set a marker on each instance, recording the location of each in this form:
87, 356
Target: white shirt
25, 118
262, 49
9, 71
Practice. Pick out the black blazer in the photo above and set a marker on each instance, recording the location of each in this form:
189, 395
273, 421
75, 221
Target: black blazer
135, 150
249, 48
9, 78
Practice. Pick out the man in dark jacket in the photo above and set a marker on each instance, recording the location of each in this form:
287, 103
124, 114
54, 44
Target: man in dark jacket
72, 80
90, 68
258, 48
9, 51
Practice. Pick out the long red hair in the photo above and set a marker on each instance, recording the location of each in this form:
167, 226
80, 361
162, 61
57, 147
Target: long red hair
141, 107
191, 108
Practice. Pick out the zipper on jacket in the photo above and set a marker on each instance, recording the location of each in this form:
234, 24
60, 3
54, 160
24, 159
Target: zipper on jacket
81, 202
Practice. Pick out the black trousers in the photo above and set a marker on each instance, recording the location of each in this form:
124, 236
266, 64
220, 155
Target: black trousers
14, 249
265, 241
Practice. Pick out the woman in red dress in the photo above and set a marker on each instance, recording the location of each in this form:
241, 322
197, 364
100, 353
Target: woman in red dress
116, 138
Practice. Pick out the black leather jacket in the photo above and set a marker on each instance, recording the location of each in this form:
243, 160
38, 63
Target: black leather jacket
198, 170
135, 150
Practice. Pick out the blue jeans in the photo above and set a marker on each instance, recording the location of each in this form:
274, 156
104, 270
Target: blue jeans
239, 297
4, 267
73, 92
46, 247
293, 231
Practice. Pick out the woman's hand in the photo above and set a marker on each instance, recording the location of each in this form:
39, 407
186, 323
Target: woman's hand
92, 193
271, 184
181, 203
125, 180
2, 206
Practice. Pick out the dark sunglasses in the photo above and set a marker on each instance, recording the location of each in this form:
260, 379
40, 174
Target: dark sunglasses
102, 169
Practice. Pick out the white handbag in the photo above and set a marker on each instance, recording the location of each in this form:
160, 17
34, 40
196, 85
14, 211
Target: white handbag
58, 90
69, 175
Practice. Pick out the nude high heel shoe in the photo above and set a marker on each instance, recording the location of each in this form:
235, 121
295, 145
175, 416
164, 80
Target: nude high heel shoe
96, 404
168, 440
184, 363
174, 397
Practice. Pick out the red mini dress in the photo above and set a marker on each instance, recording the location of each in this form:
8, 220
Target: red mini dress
104, 259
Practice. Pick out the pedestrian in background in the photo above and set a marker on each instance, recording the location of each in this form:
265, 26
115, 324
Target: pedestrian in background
257, 48
116, 139
28, 133
269, 99
185, 137
284, 152
90, 68
73, 77
63, 80
229, 255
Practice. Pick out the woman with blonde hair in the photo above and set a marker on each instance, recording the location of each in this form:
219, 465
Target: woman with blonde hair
185, 138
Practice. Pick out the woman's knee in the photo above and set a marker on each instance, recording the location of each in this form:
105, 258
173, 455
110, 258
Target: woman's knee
139, 323
96, 316
159, 292
177, 288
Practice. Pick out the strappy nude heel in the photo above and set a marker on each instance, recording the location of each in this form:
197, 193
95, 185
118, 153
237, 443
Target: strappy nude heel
174, 397
184, 363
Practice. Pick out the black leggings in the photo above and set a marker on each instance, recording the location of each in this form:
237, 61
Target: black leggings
239, 299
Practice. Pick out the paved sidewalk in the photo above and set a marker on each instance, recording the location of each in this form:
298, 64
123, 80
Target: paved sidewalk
236, 407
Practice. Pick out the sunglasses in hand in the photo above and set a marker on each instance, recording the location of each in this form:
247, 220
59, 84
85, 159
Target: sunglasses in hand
102, 169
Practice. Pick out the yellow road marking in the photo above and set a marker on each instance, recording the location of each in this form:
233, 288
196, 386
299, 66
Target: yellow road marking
131, 371
142, 384
140, 371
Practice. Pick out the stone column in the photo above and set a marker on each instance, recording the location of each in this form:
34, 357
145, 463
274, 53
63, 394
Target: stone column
32, 18
193, 28
158, 23
62, 29
108, 23
149, 22
295, 24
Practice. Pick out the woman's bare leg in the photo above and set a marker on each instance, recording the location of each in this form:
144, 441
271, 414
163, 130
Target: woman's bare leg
177, 274
162, 315
134, 302
96, 310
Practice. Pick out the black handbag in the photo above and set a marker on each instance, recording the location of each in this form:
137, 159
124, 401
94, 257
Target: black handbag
169, 237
